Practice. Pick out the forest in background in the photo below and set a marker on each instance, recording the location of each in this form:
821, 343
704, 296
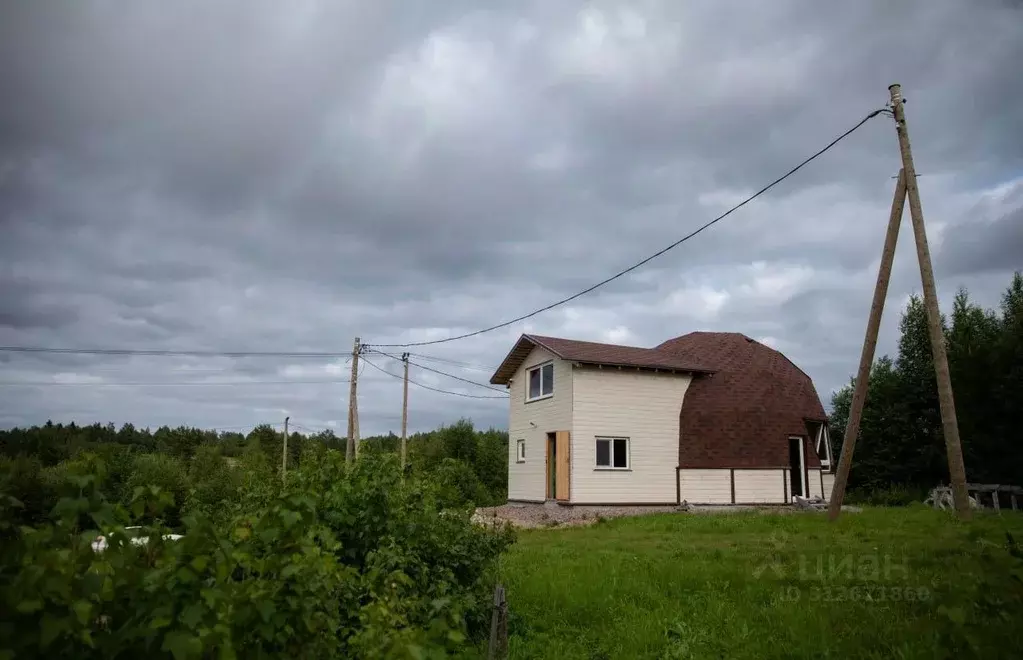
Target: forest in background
901, 448
197, 466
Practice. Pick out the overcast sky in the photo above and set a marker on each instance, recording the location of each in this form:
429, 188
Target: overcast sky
284, 176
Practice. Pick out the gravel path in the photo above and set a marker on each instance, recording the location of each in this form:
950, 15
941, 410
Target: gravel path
555, 515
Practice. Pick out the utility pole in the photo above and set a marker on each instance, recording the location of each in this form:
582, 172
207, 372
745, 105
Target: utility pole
953, 448
352, 404
404, 416
884, 273
284, 460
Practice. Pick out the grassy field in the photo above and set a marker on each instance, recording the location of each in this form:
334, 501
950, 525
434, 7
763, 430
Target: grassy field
885, 583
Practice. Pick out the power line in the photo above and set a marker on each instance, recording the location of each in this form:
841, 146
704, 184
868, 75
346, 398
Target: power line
171, 353
464, 365
442, 373
309, 430
240, 426
170, 383
653, 256
433, 389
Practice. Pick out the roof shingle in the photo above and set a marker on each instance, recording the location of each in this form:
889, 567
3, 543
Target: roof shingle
588, 352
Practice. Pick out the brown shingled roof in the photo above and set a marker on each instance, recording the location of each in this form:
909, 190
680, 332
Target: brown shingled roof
743, 415
588, 352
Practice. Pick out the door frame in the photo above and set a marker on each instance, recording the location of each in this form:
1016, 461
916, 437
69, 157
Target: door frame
550, 465
803, 474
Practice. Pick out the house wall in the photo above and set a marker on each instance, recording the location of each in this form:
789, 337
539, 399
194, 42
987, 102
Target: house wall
640, 405
760, 486
531, 422
706, 486
814, 482
829, 484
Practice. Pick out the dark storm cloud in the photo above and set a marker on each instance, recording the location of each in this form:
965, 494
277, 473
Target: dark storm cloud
995, 247
266, 176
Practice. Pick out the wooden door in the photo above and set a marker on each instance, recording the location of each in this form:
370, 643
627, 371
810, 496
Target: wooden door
562, 452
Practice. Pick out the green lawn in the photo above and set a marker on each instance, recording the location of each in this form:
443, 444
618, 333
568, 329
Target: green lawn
885, 583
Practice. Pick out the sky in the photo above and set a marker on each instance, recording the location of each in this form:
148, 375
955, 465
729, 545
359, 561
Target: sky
253, 175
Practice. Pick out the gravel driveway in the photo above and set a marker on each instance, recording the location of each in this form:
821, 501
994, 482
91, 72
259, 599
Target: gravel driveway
555, 515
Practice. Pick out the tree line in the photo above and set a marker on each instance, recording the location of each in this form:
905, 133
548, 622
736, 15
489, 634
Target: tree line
204, 469
901, 444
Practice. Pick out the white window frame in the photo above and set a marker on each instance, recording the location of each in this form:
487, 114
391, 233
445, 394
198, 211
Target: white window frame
540, 368
822, 436
520, 451
611, 452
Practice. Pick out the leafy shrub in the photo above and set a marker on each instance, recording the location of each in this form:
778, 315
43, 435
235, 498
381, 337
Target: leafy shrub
347, 561
894, 495
21, 478
214, 485
458, 485
166, 472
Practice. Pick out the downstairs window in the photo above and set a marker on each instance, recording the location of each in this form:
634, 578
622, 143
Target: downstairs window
612, 453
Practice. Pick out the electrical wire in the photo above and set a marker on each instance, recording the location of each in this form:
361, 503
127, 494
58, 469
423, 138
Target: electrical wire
456, 363
442, 373
171, 353
433, 389
653, 256
41, 383
243, 426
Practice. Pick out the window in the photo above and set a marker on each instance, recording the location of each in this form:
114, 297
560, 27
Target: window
824, 447
612, 453
540, 382
520, 451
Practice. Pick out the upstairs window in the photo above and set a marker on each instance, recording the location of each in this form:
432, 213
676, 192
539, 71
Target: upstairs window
612, 453
540, 382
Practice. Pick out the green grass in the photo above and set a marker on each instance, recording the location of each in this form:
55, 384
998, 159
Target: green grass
885, 583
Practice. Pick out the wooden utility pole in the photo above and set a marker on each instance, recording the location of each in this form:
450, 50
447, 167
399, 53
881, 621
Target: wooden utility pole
953, 448
404, 416
884, 273
352, 404
284, 459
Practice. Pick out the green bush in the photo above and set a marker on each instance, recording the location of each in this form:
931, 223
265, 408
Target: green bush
458, 485
166, 472
895, 495
344, 562
213, 485
22, 478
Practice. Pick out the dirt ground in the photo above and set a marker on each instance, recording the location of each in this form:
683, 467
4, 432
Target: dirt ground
554, 515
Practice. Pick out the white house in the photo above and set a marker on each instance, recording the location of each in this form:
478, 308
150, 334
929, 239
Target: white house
713, 418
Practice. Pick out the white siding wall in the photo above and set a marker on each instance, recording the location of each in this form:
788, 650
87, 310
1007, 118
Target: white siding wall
814, 482
760, 486
707, 486
829, 483
527, 481
641, 406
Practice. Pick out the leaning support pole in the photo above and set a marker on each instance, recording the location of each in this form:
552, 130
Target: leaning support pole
950, 426
884, 272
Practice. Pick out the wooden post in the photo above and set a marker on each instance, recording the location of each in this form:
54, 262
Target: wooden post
946, 401
284, 458
884, 273
352, 405
498, 647
994, 501
404, 417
